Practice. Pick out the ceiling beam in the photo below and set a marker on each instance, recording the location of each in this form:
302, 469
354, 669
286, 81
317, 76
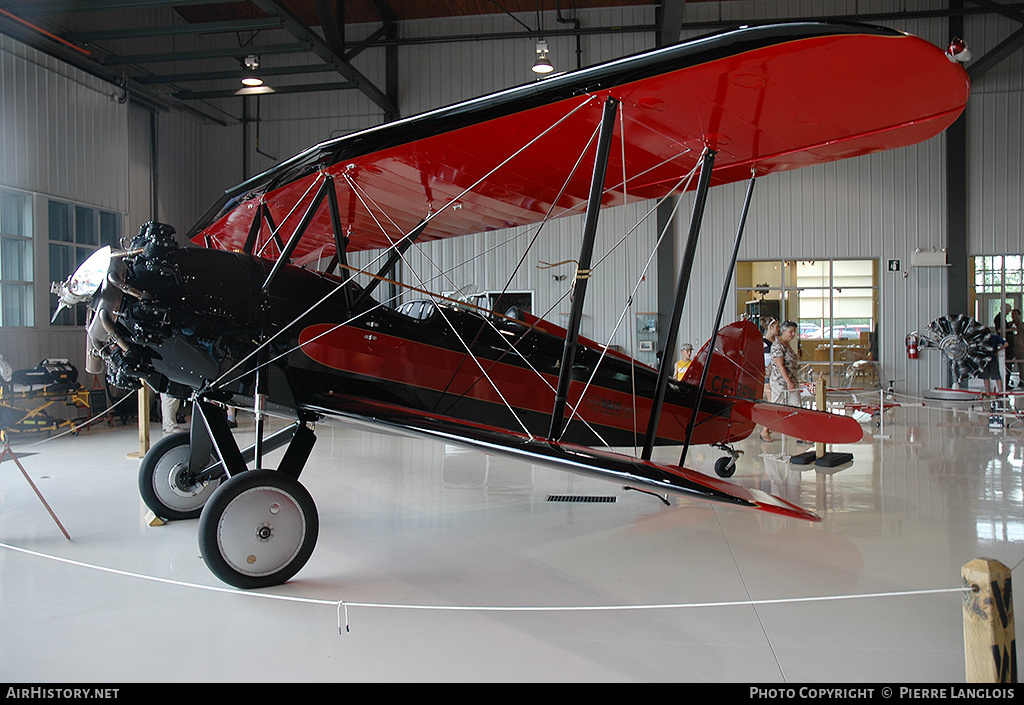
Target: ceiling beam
1003, 10
264, 91
177, 29
995, 55
146, 96
218, 53
231, 74
52, 7
332, 23
321, 49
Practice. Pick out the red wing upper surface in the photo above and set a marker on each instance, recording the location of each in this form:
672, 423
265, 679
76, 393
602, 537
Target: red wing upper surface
766, 99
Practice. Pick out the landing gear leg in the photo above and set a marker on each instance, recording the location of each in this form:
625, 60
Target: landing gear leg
180, 472
259, 527
726, 467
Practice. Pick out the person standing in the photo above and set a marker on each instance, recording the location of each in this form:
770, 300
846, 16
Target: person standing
771, 332
991, 370
1015, 353
784, 366
1001, 327
686, 357
169, 413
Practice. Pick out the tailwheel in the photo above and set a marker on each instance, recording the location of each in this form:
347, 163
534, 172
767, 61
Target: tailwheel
165, 484
258, 529
725, 466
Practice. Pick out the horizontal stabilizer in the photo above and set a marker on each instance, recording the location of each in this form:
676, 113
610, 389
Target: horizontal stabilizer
798, 422
624, 469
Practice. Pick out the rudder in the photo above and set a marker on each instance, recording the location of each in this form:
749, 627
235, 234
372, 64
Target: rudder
737, 367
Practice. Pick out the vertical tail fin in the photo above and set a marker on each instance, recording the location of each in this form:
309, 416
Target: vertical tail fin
736, 369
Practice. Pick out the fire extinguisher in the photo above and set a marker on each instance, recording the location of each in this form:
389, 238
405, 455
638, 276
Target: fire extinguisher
912, 342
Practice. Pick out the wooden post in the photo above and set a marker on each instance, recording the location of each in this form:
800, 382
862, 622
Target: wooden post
821, 456
990, 650
145, 401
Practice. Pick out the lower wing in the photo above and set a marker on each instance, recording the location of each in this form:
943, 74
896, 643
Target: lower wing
621, 468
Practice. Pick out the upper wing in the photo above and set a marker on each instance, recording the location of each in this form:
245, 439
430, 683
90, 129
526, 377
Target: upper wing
767, 99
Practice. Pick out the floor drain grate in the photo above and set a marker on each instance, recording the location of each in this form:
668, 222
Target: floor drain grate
578, 498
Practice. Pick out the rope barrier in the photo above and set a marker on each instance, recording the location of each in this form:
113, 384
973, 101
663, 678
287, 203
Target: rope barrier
343, 606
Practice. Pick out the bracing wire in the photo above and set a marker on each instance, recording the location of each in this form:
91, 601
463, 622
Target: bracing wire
444, 274
587, 100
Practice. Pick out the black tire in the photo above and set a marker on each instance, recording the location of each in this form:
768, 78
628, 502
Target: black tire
159, 484
258, 529
725, 466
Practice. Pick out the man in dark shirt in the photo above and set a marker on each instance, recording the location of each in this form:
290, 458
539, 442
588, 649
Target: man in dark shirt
1003, 330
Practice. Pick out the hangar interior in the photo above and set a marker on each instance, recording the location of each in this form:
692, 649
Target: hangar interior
440, 564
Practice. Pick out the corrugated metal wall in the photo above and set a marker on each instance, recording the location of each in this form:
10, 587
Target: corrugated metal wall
995, 150
61, 135
60, 129
67, 135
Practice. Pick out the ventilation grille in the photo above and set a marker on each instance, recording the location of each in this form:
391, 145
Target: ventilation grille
578, 498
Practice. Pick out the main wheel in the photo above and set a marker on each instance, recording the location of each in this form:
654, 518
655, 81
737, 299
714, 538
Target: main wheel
258, 529
164, 483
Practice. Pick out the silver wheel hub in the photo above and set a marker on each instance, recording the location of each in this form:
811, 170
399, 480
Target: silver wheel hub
261, 531
180, 488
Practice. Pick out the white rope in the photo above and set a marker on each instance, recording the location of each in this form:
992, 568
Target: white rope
343, 605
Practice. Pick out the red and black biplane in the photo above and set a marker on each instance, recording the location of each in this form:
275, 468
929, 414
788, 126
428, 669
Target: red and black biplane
240, 320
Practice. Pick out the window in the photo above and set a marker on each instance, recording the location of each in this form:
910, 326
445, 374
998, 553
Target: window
75, 232
17, 301
995, 279
835, 303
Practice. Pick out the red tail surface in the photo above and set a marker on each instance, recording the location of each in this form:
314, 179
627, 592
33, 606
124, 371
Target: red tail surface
736, 368
736, 371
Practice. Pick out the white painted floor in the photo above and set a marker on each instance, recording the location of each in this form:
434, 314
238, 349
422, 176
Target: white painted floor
408, 527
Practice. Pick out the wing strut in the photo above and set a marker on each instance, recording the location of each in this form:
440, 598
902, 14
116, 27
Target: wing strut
604, 142
262, 213
325, 186
682, 285
398, 250
718, 318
